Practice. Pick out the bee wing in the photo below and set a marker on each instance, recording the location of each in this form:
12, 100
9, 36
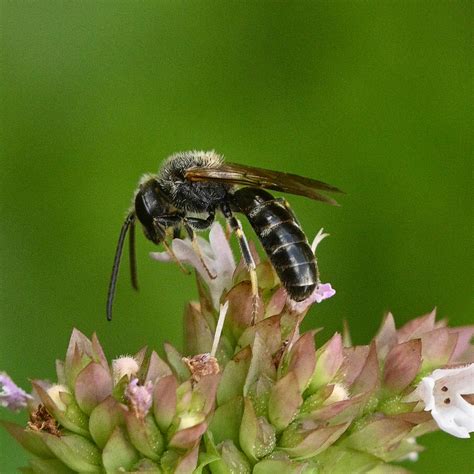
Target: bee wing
232, 173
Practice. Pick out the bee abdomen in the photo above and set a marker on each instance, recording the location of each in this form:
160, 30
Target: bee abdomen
282, 238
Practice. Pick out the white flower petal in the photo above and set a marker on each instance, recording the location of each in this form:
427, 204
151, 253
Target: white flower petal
460, 379
442, 393
452, 422
317, 240
221, 249
216, 254
425, 392
185, 253
54, 392
160, 256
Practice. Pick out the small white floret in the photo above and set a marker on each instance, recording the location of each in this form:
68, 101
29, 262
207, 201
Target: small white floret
54, 393
124, 366
442, 394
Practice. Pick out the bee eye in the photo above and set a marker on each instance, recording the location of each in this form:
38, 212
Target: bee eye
142, 211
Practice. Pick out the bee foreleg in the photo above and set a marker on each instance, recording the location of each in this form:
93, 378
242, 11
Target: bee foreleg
201, 224
196, 247
173, 256
236, 228
162, 224
171, 220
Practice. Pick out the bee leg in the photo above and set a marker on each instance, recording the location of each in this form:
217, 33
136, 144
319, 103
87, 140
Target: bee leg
236, 228
201, 224
173, 256
161, 224
228, 231
197, 249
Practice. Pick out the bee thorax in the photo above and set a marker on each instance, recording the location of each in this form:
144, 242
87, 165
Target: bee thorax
186, 195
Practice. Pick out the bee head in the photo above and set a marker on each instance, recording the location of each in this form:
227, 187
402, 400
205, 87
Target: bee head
151, 203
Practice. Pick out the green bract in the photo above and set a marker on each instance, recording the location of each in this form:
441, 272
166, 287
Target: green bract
270, 401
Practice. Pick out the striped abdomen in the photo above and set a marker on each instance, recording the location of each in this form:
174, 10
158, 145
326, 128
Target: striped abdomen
282, 238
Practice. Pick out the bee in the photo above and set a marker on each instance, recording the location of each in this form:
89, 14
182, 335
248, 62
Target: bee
201, 183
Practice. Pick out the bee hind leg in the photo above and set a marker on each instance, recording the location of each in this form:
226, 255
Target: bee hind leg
236, 228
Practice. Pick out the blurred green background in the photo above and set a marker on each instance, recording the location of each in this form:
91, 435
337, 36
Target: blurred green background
373, 97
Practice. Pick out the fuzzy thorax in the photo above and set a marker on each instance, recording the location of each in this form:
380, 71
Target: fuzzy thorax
186, 195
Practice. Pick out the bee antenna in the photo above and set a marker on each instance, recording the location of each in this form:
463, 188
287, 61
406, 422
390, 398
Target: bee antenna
129, 221
132, 255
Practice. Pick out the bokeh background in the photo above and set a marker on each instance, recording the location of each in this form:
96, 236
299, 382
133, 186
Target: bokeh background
373, 97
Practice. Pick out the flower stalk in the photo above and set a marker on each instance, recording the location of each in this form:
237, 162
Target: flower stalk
245, 397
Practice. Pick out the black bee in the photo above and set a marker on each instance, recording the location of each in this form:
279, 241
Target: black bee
202, 183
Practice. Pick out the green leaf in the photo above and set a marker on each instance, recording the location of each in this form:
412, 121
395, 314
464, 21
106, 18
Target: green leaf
304, 444
328, 361
198, 336
119, 453
75, 451
272, 466
302, 359
257, 437
337, 460
188, 462
402, 365
206, 389
378, 436
388, 469
284, 402
233, 376
259, 393
78, 355
157, 368
226, 421
240, 311
175, 360
368, 378
72, 418
93, 385
169, 460
164, 401
260, 364
231, 460
145, 465
269, 332
204, 459
188, 437
248, 431
145, 435
104, 419
30, 440
49, 466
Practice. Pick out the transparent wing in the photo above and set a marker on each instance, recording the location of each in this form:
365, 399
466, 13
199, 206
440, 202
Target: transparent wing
232, 173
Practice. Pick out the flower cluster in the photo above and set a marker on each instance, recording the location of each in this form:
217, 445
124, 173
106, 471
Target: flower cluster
12, 396
248, 394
